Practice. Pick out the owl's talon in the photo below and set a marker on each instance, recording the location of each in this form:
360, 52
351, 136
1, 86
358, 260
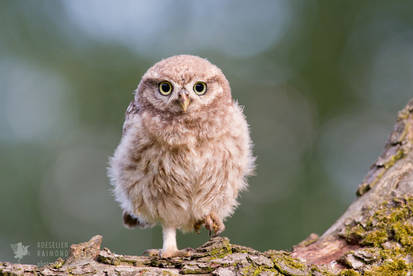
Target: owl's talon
209, 225
197, 226
219, 226
214, 225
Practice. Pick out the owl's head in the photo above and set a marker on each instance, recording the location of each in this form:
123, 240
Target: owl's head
183, 85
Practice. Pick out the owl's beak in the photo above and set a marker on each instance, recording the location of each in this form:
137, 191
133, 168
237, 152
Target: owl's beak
183, 100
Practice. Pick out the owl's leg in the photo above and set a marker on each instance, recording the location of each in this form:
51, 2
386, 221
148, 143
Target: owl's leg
169, 248
214, 224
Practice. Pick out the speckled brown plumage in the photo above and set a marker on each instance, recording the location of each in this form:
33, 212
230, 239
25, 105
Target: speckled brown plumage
181, 166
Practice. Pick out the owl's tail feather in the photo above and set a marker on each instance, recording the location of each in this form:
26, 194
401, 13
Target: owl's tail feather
131, 221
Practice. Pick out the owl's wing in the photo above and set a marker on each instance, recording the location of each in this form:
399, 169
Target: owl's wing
132, 109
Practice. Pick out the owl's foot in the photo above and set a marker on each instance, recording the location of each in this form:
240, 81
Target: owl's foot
198, 225
187, 252
214, 225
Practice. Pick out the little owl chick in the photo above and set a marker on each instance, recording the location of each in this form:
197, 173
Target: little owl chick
185, 151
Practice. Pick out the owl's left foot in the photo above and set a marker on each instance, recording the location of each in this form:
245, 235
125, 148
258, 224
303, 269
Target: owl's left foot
214, 224
187, 252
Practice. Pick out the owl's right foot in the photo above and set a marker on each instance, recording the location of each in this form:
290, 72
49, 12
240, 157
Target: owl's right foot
214, 225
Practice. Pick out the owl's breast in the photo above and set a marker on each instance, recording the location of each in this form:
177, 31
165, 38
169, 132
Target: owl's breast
180, 169
187, 156
185, 171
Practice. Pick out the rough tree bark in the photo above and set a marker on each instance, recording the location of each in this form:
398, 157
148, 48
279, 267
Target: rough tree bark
373, 237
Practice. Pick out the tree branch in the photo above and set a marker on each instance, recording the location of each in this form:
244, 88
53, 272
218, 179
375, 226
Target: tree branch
373, 237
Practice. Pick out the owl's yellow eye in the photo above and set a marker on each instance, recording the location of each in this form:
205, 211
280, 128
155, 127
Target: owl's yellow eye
165, 88
200, 88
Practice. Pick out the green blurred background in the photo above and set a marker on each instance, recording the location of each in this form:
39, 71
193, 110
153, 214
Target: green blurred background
321, 82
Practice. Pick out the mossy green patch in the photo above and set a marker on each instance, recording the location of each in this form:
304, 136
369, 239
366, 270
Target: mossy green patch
375, 237
253, 270
390, 233
390, 268
349, 272
403, 233
221, 252
389, 222
399, 155
286, 264
203, 270
320, 270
